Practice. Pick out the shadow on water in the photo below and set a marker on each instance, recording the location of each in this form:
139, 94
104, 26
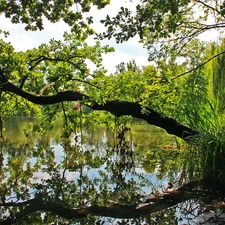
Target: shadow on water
131, 176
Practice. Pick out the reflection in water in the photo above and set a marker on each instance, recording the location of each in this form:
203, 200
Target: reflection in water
97, 177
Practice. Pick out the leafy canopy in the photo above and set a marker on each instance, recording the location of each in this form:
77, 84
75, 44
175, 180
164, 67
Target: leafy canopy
165, 26
32, 13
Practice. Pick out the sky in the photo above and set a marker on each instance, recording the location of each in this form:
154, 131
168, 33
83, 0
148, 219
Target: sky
23, 40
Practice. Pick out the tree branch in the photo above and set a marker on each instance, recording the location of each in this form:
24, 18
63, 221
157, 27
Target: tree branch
45, 87
200, 65
118, 108
45, 58
210, 7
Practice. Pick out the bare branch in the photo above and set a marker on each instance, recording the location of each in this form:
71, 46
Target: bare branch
86, 82
200, 65
45, 87
210, 7
45, 58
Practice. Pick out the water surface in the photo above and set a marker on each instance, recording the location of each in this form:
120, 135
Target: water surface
43, 176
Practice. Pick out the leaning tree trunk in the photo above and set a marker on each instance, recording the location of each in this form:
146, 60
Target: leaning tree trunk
118, 108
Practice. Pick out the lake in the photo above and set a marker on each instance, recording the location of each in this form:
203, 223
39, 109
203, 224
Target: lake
97, 176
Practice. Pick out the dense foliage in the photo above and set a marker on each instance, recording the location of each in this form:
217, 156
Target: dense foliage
165, 26
181, 91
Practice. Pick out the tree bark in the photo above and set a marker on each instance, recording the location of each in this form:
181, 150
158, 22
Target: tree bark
118, 108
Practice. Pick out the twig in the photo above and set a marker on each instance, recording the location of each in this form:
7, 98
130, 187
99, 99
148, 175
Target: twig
197, 67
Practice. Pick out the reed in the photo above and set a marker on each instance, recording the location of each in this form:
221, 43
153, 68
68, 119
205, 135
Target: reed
206, 151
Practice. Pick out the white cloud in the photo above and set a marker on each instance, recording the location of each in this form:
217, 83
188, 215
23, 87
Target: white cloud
21, 42
210, 35
112, 59
7, 25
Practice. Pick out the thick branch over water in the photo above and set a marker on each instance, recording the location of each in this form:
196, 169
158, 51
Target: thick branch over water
118, 108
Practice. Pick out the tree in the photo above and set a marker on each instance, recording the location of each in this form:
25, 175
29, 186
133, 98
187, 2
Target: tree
215, 73
156, 21
32, 13
56, 74
54, 68
164, 26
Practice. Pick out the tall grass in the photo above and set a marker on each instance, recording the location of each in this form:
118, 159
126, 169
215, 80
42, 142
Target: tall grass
209, 146
202, 111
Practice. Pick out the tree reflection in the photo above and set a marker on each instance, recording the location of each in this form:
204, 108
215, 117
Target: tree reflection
86, 184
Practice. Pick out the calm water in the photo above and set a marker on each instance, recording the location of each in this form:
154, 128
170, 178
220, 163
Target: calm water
43, 176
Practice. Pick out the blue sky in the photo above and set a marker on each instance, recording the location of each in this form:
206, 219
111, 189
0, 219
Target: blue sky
23, 40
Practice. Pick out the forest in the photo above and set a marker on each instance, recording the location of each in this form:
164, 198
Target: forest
181, 91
